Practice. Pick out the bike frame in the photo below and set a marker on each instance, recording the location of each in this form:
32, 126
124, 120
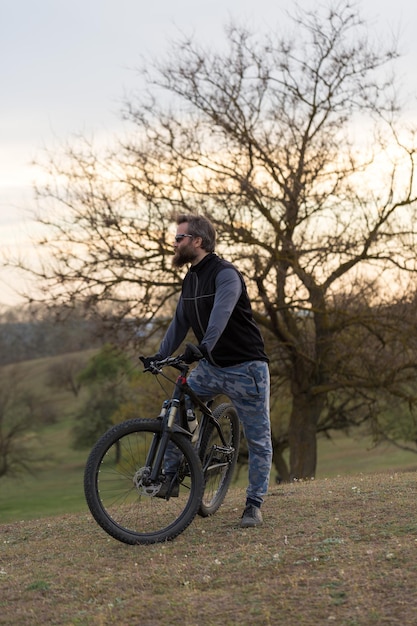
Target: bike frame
158, 448
118, 489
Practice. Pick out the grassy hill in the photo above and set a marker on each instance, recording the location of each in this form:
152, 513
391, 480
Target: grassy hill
57, 487
338, 550
331, 551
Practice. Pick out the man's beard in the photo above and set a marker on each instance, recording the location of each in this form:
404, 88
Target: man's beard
183, 256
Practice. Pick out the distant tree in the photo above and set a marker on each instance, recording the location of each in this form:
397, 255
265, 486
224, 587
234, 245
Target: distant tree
20, 416
64, 374
292, 143
107, 365
95, 416
106, 377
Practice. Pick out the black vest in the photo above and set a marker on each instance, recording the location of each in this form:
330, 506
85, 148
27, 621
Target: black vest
241, 340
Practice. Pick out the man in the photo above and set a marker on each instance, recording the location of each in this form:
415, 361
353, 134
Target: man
214, 303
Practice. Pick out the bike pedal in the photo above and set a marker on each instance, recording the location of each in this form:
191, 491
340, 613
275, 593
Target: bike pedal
168, 490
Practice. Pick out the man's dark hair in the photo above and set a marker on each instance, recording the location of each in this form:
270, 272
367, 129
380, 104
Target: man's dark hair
200, 226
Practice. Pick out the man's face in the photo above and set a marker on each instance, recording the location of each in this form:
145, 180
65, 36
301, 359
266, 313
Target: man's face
184, 248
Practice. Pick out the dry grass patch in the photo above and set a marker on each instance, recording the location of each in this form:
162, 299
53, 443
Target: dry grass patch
337, 551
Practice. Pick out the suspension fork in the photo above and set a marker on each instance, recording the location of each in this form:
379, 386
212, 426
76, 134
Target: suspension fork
159, 444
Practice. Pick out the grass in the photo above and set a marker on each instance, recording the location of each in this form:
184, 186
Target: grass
332, 551
58, 489
351, 455
337, 550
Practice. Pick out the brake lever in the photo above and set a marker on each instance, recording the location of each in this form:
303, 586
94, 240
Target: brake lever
153, 369
157, 366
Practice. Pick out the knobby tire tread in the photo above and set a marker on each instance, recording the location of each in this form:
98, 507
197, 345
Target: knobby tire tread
208, 508
92, 493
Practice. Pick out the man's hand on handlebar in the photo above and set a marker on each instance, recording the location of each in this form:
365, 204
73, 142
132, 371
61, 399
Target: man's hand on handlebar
149, 360
193, 353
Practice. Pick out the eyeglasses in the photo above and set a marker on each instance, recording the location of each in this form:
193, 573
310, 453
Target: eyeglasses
179, 238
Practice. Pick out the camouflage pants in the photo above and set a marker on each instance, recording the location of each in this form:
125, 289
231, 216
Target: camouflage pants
247, 386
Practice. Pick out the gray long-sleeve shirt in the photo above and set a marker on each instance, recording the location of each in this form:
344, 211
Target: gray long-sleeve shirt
228, 291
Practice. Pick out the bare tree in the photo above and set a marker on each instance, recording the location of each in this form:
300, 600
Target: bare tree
64, 374
291, 144
19, 414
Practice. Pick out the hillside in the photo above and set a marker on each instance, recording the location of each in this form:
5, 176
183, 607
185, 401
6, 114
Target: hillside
56, 487
25, 340
332, 551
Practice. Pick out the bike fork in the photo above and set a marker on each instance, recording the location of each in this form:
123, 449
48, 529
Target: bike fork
155, 457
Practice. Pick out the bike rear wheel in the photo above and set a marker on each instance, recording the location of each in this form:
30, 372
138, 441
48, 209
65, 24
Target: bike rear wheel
119, 494
218, 460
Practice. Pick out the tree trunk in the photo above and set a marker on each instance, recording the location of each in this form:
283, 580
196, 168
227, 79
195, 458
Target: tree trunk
305, 414
283, 474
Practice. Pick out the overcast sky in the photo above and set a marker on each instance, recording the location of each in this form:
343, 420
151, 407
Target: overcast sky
66, 65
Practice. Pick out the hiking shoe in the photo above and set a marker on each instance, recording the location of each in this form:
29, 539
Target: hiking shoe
169, 488
251, 517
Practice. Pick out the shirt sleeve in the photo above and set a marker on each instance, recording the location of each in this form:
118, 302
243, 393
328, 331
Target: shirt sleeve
228, 291
176, 333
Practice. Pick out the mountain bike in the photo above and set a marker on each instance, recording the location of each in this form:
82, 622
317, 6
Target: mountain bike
126, 487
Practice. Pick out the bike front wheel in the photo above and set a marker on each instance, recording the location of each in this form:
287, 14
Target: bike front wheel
119, 494
218, 458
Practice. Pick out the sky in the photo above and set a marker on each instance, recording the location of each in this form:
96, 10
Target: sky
67, 65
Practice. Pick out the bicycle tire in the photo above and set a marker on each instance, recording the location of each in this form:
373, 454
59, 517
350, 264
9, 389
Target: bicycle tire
116, 491
218, 463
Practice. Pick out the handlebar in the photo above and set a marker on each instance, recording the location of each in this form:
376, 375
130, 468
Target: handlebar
173, 361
